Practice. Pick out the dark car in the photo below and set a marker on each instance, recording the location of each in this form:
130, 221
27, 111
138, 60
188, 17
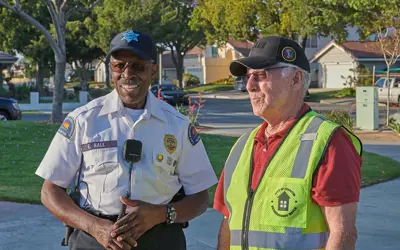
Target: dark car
9, 109
171, 93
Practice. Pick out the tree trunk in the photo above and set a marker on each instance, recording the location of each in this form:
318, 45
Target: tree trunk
39, 77
303, 42
59, 80
108, 85
388, 96
179, 70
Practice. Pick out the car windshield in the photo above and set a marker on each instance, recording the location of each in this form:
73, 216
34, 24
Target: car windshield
169, 87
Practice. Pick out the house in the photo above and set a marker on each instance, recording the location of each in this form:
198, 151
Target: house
6, 61
209, 64
336, 60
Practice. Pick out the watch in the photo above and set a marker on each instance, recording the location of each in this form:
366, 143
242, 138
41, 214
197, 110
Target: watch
171, 214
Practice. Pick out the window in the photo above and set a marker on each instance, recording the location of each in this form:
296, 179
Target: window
312, 42
214, 52
380, 83
169, 87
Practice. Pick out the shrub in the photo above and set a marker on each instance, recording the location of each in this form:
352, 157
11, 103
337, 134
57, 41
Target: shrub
224, 81
22, 92
191, 80
346, 92
341, 117
5, 93
394, 123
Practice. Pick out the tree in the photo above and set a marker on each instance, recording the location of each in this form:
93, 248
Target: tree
380, 18
27, 40
60, 14
79, 54
177, 34
226, 19
165, 21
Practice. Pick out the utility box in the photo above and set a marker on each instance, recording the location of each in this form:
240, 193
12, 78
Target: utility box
367, 110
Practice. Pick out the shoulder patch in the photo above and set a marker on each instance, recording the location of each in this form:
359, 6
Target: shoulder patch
193, 136
67, 128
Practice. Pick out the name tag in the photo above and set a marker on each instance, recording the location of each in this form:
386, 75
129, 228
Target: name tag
99, 145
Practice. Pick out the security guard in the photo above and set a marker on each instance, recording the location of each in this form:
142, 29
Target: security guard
90, 150
294, 181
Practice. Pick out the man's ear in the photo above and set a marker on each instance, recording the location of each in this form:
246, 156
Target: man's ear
298, 79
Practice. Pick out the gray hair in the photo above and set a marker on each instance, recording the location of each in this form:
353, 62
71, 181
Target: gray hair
307, 76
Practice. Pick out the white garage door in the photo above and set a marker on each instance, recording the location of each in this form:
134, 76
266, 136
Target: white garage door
334, 73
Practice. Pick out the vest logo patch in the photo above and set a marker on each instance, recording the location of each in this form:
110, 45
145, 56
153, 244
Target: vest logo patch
284, 203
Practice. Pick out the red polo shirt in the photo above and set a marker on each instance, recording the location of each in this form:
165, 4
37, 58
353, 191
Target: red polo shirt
336, 182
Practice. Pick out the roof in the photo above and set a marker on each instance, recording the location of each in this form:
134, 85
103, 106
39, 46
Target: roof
241, 46
7, 58
357, 49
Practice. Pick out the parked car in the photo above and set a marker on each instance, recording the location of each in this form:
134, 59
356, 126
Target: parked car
171, 93
9, 109
383, 90
240, 84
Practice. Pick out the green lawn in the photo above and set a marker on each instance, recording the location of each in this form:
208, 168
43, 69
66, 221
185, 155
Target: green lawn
209, 88
23, 145
322, 95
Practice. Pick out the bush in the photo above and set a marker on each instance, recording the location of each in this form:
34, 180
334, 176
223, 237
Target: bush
341, 117
5, 93
191, 80
22, 92
224, 81
394, 123
346, 92
96, 93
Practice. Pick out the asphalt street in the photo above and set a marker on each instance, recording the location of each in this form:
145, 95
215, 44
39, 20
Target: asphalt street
229, 112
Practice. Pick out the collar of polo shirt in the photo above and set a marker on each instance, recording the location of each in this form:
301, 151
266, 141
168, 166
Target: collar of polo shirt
113, 104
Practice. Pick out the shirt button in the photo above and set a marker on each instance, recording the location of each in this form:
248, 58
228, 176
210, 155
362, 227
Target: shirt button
264, 150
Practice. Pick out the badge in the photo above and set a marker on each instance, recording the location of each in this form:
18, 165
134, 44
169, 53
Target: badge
67, 128
170, 161
160, 157
130, 36
284, 202
170, 143
193, 136
289, 54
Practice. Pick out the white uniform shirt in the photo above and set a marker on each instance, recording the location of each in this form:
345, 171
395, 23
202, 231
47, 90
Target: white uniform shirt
173, 154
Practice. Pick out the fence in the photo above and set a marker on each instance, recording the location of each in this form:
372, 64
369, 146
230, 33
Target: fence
35, 105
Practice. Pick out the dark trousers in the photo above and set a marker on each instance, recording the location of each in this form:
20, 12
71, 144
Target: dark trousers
160, 237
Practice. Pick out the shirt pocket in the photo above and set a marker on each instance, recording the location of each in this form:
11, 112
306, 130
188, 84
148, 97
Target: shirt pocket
164, 166
286, 203
107, 166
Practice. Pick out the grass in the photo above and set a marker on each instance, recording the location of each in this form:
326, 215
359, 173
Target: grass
23, 145
323, 95
208, 88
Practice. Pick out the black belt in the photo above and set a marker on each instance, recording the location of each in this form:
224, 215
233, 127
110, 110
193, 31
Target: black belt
112, 218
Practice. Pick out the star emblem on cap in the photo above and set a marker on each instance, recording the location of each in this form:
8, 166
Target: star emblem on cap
130, 36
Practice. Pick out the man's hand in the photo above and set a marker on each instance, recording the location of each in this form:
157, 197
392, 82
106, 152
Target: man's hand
141, 216
101, 231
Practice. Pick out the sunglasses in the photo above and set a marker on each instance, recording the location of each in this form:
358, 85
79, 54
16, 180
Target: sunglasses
261, 75
120, 67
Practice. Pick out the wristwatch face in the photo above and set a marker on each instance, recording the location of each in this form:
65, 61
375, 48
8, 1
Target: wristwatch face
171, 215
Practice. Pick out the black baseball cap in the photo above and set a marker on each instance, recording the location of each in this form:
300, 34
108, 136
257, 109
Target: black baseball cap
139, 43
268, 51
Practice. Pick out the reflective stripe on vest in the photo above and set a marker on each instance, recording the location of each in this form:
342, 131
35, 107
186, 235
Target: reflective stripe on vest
293, 237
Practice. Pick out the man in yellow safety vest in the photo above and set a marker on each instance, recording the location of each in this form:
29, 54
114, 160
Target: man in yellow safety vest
294, 181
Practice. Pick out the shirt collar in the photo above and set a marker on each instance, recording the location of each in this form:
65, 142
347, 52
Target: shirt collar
260, 136
113, 104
